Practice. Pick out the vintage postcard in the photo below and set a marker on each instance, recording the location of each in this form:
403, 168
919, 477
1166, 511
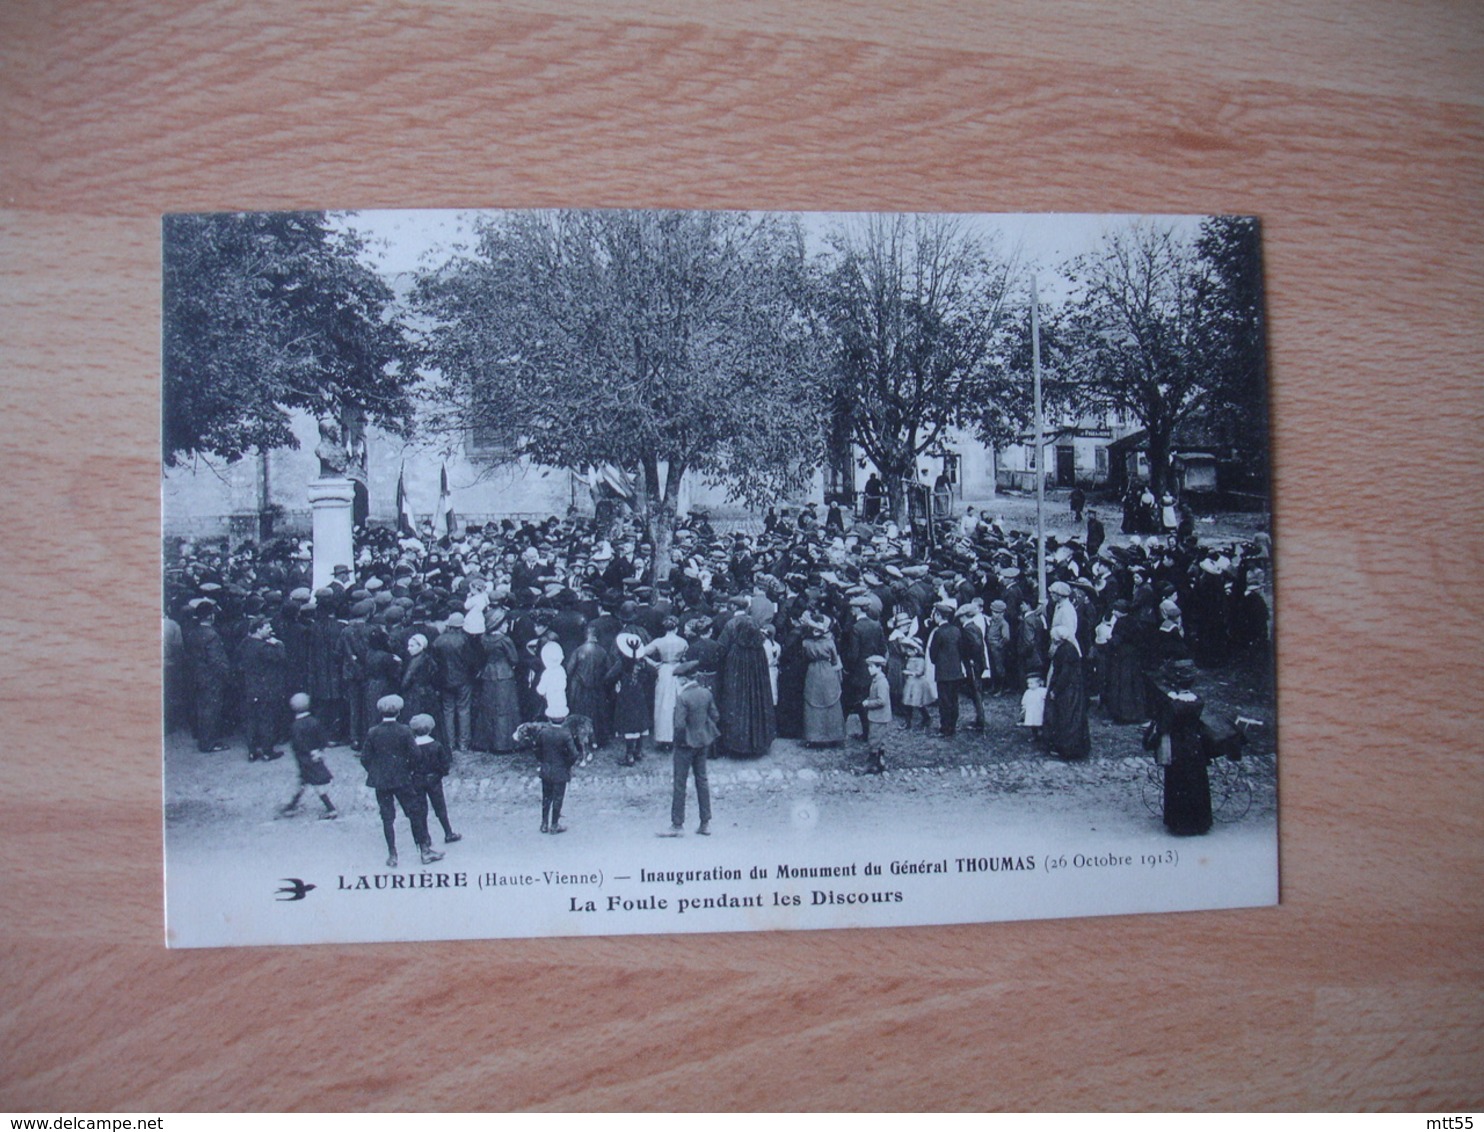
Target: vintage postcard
602, 572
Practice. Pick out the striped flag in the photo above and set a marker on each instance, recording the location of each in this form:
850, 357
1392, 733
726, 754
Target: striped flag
406, 525
445, 503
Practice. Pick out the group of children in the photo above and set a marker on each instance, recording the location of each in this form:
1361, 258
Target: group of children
404, 764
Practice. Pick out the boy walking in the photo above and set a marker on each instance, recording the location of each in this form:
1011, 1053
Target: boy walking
308, 738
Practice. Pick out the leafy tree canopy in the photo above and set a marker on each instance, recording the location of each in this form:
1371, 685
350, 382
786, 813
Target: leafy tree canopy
1167, 330
265, 313
918, 311
639, 339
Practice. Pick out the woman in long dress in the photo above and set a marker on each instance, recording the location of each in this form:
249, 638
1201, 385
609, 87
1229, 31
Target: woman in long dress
792, 668
824, 717
1066, 697
748, 722
591, 672
496, 692
1123, 667
419, 696
918, 688
1179, 745
663, 654
631, 712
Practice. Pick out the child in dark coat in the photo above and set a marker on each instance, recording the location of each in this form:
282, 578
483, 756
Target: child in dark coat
308, 739
557, 752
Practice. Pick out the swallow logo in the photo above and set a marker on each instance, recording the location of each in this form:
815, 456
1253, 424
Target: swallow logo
296, 890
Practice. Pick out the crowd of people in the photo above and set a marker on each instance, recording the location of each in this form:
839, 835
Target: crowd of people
503, 631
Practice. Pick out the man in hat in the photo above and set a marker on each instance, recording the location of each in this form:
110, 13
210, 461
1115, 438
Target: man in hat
697, 727
264, 665
945, 654
355, 645
862, 638
207, 671
340, 584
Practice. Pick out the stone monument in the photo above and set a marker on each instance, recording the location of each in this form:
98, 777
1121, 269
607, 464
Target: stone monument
331, 498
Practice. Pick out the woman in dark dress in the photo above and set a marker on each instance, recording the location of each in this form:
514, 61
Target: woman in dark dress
1066, 698
1169, 639
590, 674
419, 694
792, 665
326, 688
632, 715
749, 722
1123, 674
1179, 745
496, 692
383, 671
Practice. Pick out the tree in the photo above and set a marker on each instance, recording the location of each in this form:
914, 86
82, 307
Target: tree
269, 312
1133, 335
1234, 339
917, 307
668, 343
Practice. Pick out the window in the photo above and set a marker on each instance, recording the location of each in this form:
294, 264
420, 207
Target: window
490, 442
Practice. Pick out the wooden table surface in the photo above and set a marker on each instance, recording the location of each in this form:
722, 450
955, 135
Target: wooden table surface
1352, 129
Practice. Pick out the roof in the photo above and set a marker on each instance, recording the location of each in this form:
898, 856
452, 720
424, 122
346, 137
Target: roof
1188, 439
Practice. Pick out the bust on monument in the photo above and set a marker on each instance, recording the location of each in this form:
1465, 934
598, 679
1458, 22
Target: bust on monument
333, 459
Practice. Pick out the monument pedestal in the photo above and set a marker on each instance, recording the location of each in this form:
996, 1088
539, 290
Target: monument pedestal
330, 501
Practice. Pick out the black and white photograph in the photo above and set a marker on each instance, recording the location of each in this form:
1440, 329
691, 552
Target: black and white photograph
599, 572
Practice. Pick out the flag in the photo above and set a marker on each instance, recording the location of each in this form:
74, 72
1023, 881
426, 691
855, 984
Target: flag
618, 482
445, 503
406, 525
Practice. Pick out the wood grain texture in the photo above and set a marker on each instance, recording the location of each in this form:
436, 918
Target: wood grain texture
1353, 129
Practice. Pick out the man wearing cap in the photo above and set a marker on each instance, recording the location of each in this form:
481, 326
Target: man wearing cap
391, 758
945, 654
975, 658
862, 638
998, 642
697, 727
458, 662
